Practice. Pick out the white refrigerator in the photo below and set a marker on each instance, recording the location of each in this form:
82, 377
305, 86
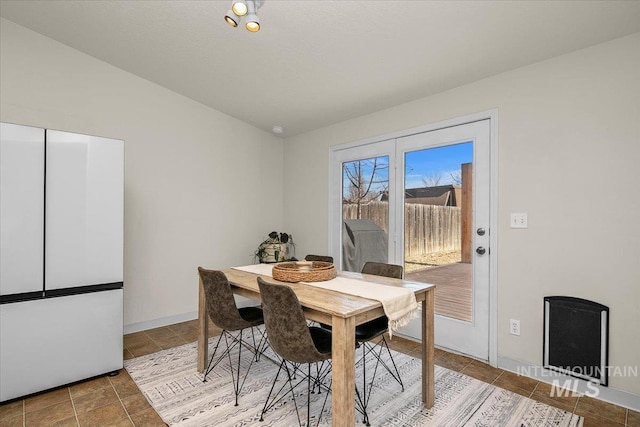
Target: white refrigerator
61, 258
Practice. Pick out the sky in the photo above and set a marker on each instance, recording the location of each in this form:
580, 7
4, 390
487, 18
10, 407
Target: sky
436, 162
427, 164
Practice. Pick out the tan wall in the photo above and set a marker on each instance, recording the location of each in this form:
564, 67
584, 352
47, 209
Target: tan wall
568, 137
193, 175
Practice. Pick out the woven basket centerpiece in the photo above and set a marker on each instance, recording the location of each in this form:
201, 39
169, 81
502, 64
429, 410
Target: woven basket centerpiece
318, 271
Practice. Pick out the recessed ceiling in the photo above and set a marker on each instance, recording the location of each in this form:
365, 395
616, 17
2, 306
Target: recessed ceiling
315, 63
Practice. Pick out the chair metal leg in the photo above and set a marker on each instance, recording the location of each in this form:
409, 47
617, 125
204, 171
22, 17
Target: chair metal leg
231, 342
262, 345
397, 375
268, 406
212, 365
324, 404
293, 395
366, 394
277, 398
236, 384
360, 406
309, 393
382, 344
322, 372
312, 382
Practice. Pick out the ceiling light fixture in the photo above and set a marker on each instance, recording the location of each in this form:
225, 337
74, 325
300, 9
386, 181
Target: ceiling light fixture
232, 19
245, 8
239, 7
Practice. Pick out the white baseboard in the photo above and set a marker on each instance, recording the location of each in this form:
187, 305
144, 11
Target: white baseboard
185, 317
607, 394
158, 323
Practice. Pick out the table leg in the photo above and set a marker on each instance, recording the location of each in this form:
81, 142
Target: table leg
343, 384
428, 354
203, 329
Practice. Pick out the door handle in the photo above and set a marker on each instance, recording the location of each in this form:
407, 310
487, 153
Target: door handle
480, 250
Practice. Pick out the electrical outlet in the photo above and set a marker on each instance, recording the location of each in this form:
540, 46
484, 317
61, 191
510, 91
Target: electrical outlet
518, 220
514, 327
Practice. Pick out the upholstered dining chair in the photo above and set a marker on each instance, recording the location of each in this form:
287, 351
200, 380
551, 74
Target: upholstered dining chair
374, 329
382, 269
324, 258
225, 314
296, 343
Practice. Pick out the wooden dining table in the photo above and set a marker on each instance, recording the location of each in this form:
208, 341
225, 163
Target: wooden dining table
343, 312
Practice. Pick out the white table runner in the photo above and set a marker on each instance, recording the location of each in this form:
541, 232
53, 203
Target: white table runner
399, 304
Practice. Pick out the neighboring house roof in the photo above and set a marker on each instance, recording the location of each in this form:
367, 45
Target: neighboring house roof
440, 195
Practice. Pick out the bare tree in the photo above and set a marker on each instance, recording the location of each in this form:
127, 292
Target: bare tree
365, 182
431, 180
435, 179
456, 177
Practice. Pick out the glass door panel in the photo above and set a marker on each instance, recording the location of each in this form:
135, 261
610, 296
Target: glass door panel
365, 212
362, 205
438, 192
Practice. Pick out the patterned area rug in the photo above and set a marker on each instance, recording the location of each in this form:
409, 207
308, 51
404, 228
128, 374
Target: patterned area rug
174, 388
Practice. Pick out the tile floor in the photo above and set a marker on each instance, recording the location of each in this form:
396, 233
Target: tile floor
116, 401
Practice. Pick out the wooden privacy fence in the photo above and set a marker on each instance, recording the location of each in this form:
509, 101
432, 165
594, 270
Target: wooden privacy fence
377, 212
428, 228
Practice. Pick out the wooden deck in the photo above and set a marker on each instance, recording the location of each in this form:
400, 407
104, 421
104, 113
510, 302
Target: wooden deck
453, 288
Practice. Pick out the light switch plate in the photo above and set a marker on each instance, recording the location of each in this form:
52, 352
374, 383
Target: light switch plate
519, 220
